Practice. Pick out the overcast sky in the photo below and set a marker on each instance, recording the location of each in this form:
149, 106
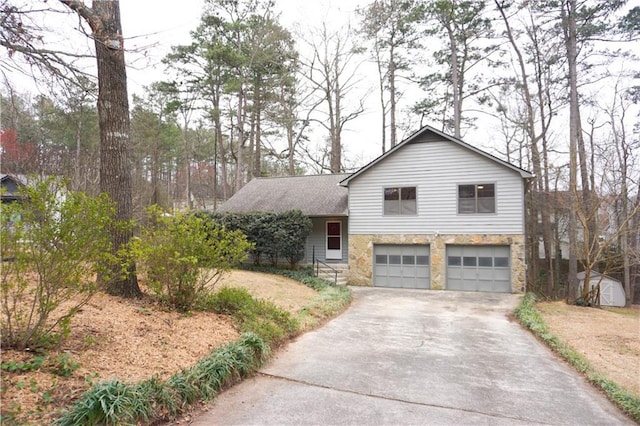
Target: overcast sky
151, 27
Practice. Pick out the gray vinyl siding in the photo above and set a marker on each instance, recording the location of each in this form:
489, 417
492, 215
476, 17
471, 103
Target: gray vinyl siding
317, 239
436, 168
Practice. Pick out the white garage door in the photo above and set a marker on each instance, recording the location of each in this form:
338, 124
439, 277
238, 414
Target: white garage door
401, 266
479, 268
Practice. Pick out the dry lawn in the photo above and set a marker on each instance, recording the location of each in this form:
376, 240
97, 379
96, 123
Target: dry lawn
132, 340
608, 338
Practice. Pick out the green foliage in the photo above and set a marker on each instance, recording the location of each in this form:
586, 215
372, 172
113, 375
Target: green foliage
265, 319
108, 403
53, 243
23, 367
230, 300
530, 318
116, 403
275, 235
268, 321
155, 140
254, 316
291, 238
630, 24
184, 256
159, 396
63, 365
10, 414
223, 367
47, 397
331, 301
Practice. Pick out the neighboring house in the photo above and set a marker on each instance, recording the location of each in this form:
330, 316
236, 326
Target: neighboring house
10, 193
432, 212
9, 186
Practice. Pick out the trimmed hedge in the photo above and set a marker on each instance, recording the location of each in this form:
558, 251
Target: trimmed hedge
276, 236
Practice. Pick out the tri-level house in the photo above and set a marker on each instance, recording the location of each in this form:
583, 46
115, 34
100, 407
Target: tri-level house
433, 212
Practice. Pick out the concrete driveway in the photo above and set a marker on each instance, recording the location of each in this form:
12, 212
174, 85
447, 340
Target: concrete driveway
416, 357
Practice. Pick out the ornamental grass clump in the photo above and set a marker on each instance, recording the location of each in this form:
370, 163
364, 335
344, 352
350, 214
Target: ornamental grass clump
108, 403
117, 403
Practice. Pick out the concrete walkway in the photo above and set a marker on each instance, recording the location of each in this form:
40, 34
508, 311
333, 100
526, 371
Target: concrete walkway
400, 357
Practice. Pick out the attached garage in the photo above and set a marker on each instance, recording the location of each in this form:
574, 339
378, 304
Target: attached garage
479, 268
401, 266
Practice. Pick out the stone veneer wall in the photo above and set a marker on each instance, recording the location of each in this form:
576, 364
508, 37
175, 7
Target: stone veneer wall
361, 255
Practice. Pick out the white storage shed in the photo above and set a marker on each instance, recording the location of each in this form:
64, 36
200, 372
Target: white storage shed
611, 290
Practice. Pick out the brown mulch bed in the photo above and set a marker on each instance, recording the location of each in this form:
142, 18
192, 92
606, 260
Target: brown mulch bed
132, 340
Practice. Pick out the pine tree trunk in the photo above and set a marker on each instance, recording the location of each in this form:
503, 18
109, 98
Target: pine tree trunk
336, 142
539, 196
574, 133
455, 83
392, 97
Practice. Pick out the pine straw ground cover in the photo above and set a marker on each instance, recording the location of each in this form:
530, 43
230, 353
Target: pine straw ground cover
609, 338
131, 340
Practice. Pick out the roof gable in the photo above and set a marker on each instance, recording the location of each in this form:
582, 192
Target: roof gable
418, 137
316, 195
10, 186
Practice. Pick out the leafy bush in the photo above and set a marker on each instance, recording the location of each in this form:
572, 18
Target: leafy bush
295, 227
274, 235
53, 241
184, 256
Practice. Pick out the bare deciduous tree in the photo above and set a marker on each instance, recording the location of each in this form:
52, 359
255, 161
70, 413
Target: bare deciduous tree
332, 73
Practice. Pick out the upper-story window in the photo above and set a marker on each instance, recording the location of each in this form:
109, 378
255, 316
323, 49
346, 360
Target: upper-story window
479, 198
400, 200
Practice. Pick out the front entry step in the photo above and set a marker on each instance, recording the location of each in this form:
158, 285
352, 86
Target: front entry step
334, 272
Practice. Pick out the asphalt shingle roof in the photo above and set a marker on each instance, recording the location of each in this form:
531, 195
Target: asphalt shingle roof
317, 195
